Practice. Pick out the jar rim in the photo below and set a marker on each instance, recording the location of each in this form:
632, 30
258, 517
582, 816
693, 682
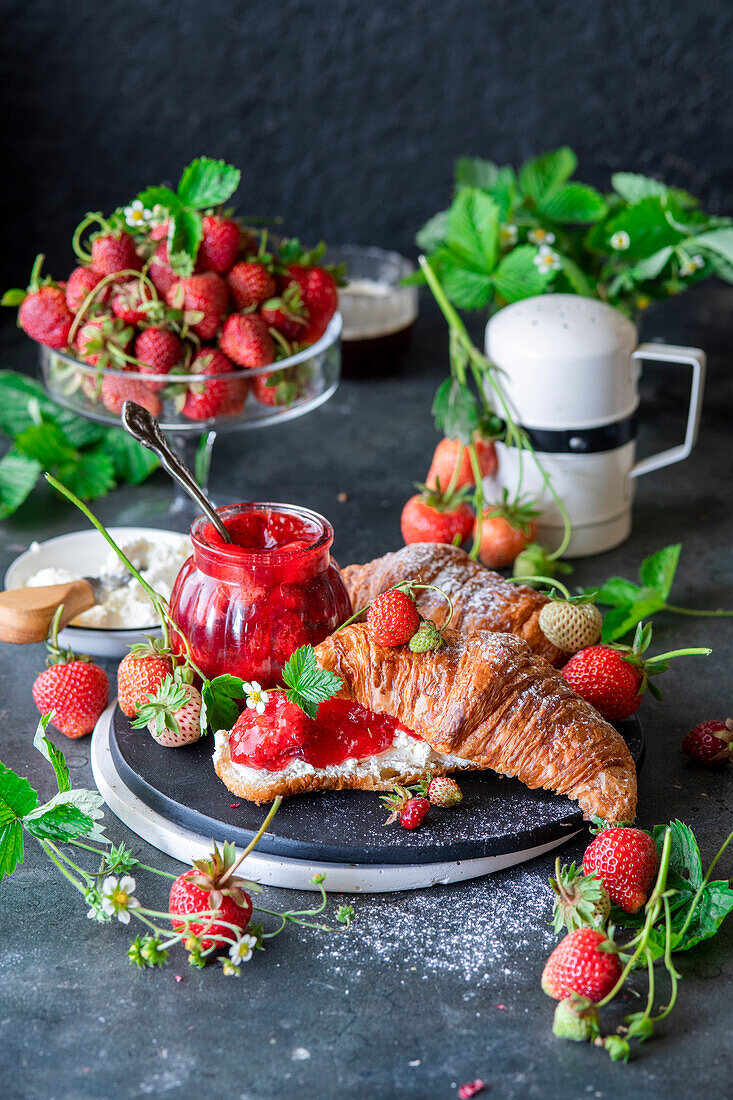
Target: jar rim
240, 554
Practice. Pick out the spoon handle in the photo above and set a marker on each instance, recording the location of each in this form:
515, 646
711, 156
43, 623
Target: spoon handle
144, 427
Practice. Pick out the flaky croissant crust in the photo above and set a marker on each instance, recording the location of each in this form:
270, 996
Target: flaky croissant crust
487, 698
482, 600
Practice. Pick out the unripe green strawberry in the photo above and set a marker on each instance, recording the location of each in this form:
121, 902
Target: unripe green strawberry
427, 637
571, 626
576, 1018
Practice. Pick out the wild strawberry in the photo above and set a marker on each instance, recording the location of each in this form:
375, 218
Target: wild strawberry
76, 690
217, 396
431, 516
116, 389
626, 862
281, 387
112, 252
710, 743
320, 297
393, 618
250, 284
571, 626
209, 886
444, 792
579, 964
172, 714
576, 1018
128, 302
220, 244
426, 639
245, 339
207, 294
506, 530
43, 313
141, 672
80, 283
158, 351
581, 901
406, 808
103, 342
160, 271
445, 460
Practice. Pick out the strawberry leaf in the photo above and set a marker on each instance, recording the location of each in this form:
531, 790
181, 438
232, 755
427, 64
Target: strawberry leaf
433, 234
160, 196
542, 176
621, 620
220, 697
54, 755
17, 797
91, 476
47, 444
518, 276
685, 860
308, 684
473, 227
206, 182
63, 822
456, 411
11, 847
476, 172
18, 475
658, 570
184, 237
574, 203
131, 461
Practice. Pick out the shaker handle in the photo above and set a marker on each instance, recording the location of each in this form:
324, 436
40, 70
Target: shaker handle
692, 357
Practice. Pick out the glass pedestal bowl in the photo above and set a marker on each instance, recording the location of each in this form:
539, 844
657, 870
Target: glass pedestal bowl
268, 395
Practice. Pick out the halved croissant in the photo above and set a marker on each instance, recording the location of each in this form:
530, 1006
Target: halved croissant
485, 697
482, 600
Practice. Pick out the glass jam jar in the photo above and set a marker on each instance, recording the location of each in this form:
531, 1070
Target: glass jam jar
245, 606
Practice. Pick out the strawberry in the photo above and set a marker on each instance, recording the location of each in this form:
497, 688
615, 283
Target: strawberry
581, 901
141, 672
207, 294
76, 690
506, 530
128, 302
626, 862
218, 396
116, 389
576, 1018
710, 743
172, 714
80, 283
210, 886
579, 964
393, 618
158, 351
245, 339
43, 314
408, 809
160, 271
571, 625
431, 516
427, 638
281, 387
250, 284
112, 252
443, 791
220, 244
445, 460
103, 342
320, 297
287, 313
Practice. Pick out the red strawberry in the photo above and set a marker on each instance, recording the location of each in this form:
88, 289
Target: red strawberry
432, 517
320, 297
127, 302
578, 965
43, 313
80, 283
506, 530
626, 862
141, 672
218, 396
445, 460
102, 342
404, 807
158, 350
287, 313
245, 339
250, 284
710, 743
220, 245
76, 690
112, 252
604, 678
279, 388
116, 389
393, 618
207, 294
201, 890
160, 271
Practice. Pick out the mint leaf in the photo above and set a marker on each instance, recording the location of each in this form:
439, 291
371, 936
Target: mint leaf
11, 847
54, 755
574, 202
308, 684
63, 822
433, 233
622, 619
658, 570
473, 227
518, 276
456, 411
160, 196
18, 475
130, 460
91, 476
543, 175
47, 444
476, 172
206, 182
218, 696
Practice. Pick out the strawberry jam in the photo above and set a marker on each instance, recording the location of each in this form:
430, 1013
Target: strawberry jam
245, 606
341, 731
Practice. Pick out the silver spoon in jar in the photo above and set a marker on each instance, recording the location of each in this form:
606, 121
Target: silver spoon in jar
144, 427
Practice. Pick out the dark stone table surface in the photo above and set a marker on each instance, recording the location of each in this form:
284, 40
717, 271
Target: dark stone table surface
429, 989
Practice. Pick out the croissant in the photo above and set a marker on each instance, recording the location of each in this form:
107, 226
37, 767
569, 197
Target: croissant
482, 600
486, 698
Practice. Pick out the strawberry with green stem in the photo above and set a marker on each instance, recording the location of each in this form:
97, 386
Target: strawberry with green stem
43, 311
406, 625
72, 688
505, 530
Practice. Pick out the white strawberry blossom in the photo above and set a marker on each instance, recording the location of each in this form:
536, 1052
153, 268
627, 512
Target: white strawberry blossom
508, 235
117, 899
136, 215
620, 241
255, 696
541, 236
547, 259
691, 265
241, 951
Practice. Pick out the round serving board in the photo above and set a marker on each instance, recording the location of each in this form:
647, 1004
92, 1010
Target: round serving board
174, 799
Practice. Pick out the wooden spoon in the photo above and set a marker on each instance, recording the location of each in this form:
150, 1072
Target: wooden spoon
26, 613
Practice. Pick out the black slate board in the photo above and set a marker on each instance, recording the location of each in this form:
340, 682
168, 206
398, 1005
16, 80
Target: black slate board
498, 815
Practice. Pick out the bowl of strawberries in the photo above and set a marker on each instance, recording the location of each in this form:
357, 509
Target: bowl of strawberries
209, 323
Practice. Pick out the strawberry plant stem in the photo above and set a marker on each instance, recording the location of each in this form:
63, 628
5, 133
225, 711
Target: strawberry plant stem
698, 614
254, 841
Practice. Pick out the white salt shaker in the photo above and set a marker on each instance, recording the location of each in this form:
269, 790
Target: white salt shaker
569, 370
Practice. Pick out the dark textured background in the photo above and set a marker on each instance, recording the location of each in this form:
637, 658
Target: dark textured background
345, 116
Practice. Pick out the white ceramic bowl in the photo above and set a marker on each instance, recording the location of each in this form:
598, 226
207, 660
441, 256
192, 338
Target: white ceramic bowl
86, 551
